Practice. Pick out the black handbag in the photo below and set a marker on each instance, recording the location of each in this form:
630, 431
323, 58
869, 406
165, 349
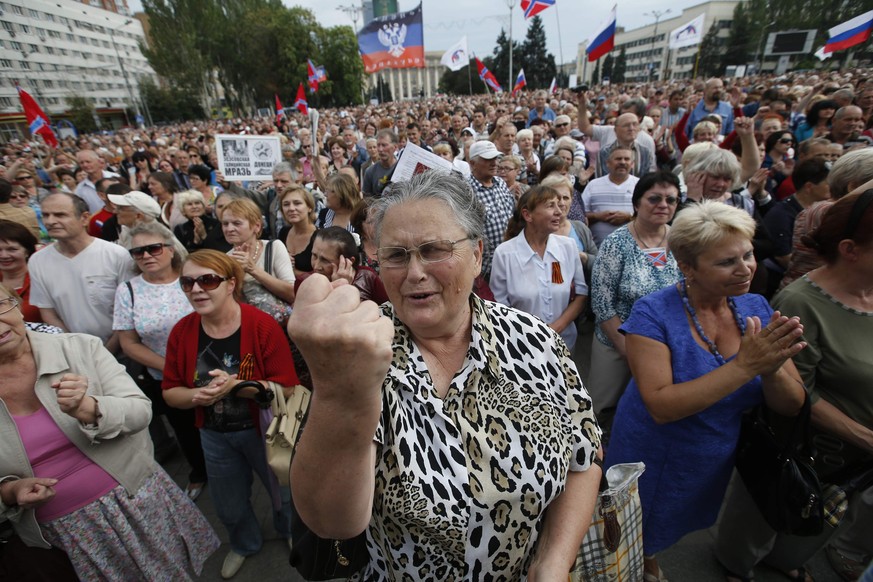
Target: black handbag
779, 475
317, 558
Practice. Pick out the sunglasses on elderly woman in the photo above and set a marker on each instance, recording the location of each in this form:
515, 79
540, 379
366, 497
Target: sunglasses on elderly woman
155, 250
207, 282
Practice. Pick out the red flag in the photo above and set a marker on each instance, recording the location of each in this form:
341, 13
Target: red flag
301, 103
488, 77
36, 118
280, 111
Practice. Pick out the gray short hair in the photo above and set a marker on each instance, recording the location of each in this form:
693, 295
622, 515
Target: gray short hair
157, 229
850, 171
699, 227
285, 168
451, 189
188, 196
715, 162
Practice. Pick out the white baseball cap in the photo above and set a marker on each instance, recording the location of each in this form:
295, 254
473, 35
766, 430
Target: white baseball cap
138, 200
484, 149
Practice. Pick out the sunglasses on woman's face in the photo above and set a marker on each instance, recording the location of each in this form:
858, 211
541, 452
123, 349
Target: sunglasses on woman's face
155, 250
671, 200
206, 282
786, 140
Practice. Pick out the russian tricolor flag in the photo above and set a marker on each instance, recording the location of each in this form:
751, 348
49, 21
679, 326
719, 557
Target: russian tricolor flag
520, 82
849, 34
603, 40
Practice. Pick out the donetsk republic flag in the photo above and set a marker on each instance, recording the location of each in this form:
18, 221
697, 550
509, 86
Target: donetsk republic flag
395, 41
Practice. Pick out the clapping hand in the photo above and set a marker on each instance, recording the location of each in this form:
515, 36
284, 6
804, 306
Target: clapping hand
243, 255
764, 350
222, 383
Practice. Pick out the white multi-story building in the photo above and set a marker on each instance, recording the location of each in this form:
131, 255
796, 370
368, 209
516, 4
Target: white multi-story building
63, 48
649, 57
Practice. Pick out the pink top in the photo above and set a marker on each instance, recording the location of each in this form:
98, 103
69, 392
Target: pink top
52, 455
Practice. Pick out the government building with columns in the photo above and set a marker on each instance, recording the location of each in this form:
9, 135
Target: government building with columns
409, 83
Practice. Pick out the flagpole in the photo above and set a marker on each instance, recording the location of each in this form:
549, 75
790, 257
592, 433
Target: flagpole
469, 77
697, 60
560, 44
511, 4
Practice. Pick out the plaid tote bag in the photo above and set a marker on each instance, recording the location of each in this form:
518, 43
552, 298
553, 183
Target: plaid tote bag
612, 550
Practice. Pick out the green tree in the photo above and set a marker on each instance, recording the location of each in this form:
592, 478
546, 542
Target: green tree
498, 63
170, 104
608, 64
458, 83
252, 48
595, 74
81, 113
620, 67
738, 47
539, 64
709, 62
340, 57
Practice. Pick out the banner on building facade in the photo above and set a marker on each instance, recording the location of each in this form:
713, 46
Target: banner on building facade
395, 41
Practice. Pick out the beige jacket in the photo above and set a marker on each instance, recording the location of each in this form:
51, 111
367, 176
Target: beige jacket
118, 442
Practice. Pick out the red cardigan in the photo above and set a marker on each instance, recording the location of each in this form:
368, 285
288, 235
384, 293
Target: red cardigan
264, 353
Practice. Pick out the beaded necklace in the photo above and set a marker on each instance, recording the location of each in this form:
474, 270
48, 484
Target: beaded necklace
741, 324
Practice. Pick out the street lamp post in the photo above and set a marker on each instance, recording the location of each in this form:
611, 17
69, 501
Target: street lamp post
124, 71
759, 57
657, 14
511, 4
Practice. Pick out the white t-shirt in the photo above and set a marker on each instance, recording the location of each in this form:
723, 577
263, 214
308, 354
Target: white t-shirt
80, 289
603, 194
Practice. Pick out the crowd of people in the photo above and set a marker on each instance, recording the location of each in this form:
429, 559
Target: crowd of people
692, 249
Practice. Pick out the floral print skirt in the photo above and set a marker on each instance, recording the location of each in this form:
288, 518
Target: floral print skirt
159, 534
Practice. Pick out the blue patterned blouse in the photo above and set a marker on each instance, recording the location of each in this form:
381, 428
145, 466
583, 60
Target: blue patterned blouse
623, 273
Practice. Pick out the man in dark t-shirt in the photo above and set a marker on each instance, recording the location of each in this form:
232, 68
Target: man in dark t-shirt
378, 176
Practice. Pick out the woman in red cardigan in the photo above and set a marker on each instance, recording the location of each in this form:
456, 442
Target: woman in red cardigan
209, 352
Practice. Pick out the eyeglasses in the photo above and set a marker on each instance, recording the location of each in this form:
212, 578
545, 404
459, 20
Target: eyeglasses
20, 178
671, 200
22, 195
507, 169
155, 250
786, 140
7, 305
429, 252
206, 282
561, 124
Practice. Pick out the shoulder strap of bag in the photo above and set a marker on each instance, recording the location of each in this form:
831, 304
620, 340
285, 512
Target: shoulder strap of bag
800, 437
130, 289
268, 258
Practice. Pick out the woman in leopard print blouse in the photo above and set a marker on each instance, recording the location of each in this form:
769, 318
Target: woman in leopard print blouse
457, 432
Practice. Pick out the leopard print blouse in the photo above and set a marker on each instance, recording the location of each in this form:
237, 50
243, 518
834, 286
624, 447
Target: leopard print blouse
462, 482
